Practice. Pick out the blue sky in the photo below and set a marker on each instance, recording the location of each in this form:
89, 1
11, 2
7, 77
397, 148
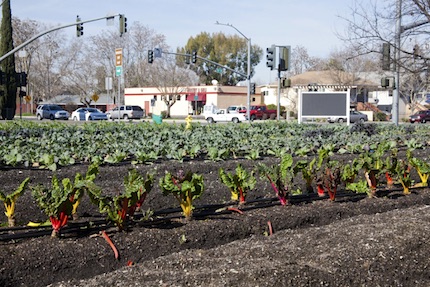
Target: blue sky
309, 23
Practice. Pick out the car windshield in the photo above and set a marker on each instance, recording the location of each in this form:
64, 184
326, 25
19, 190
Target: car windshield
93, 110
56, 108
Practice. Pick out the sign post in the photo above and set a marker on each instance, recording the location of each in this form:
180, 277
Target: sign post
118, 73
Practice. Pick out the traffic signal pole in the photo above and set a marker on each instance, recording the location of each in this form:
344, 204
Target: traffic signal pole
208, 61
52, 30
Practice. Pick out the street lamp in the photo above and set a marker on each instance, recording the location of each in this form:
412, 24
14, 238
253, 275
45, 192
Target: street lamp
248, 73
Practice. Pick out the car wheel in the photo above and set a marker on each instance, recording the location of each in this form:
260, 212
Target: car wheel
423, 121
39, 117
125, 118
90, 118
253, 117
51, 117
210, 120
235, 120
340, 120
362, 120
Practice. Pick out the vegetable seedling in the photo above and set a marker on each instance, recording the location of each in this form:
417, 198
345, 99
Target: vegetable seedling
121, 208
239, 183
421, 166
55, 202
9, 201
280, 177
186, 187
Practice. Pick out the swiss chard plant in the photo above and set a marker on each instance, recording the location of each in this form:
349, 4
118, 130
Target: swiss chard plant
421, 166
139, 187
55, 202
239, 183
372, 162
280, 176
349, 172
9, 201
329, 178
120, 208
308, 170
82, 185
403, 175
185, 187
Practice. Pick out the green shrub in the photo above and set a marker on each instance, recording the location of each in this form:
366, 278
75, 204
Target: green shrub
381, 117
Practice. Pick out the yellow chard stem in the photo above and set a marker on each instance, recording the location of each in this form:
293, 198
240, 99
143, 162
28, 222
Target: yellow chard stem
186, 206
10, 212
75, 206
10, 209
405, 188
424, 177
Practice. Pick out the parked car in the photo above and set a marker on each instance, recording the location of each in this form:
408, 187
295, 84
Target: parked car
126, 112
354, 116
236, 109
222, 115
52, 112
88, 114
420, 117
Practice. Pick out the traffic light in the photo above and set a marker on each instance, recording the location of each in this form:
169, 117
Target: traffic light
286, 83
150, 56
122, 24
79, 27
21, 79
386, 62
194, 57
270, 57
252, 91
284, 58
385, 82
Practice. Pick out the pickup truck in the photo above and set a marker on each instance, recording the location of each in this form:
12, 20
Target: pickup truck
260, 112
221, 115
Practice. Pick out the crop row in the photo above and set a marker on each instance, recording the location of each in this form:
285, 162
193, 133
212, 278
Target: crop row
50, 145
61, 199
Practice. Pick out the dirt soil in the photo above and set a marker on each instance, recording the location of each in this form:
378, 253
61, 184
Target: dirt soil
357, 241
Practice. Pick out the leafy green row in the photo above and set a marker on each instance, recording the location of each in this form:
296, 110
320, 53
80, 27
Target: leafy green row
53, 144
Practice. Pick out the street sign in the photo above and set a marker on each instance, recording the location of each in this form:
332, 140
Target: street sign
95, 97
118, 57
157, 52
118, 71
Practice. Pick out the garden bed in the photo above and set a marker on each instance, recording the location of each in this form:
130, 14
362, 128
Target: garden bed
354, 241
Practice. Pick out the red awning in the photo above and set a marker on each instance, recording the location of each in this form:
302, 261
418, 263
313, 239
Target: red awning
200, 97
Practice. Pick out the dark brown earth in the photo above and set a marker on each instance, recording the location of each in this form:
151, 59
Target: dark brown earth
354, 241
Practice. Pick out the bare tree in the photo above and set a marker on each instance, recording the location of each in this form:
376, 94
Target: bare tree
171, 80
373, 22
300, 61
50, 63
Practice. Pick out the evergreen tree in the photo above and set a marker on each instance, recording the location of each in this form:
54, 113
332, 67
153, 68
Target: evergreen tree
7, 89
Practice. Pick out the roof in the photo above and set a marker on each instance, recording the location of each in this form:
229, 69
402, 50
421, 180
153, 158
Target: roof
75, 100
329, 77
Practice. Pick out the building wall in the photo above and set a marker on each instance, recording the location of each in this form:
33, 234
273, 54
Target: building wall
220, 96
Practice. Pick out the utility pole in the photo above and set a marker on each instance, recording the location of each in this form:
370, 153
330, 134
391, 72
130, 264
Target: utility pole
399, 30
248, 73
396, 91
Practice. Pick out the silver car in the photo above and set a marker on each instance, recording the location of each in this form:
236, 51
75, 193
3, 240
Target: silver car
52, 112
126, 112
354, 116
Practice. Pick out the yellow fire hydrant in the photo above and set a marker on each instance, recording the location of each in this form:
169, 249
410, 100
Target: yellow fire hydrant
188, 121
